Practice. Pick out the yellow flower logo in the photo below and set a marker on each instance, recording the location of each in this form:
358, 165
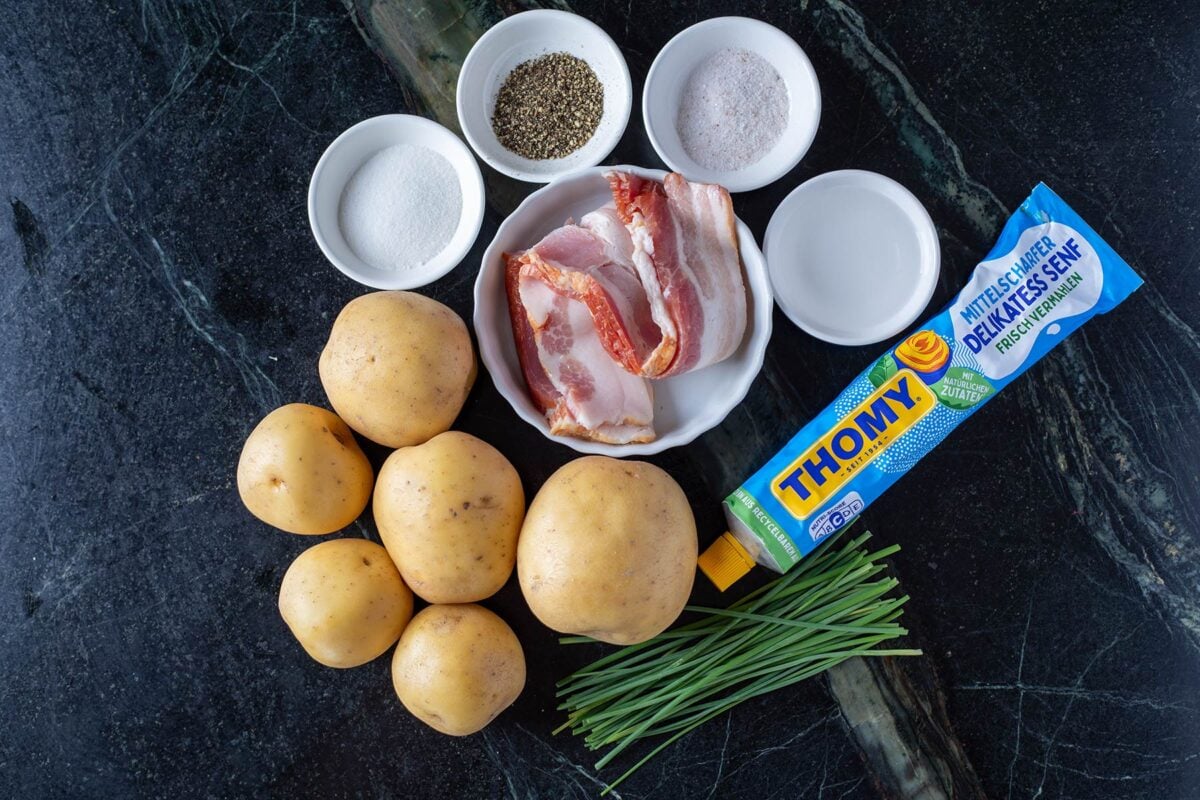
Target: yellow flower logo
925, 353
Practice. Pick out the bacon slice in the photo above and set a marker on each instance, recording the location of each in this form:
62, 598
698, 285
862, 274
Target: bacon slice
686, 254
591, 262
541, 390
572, 379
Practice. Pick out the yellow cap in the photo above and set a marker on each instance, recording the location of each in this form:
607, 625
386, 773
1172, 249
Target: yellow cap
725, 561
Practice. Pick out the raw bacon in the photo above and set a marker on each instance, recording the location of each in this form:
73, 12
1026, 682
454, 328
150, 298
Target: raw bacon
686, 254
571, 377
648, 286
591, 262
543, 393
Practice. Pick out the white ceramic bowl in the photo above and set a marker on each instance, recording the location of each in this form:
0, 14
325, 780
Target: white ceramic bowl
518, 39
685, 406
853, 257
679, 57
347, 154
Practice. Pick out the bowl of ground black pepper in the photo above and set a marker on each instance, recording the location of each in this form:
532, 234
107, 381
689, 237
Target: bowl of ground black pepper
544, 93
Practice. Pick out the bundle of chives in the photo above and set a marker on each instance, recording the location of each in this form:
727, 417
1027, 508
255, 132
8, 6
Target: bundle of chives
823, 612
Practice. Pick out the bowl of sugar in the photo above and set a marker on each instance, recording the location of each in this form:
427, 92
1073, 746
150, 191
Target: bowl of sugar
396, 201
733, 101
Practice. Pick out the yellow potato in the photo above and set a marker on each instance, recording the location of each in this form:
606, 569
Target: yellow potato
608, 550
398, 367
301, 470
457, 667
345, 602
449, 512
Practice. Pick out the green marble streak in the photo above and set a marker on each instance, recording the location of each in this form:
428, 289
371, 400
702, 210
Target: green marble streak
897, 715
424, 45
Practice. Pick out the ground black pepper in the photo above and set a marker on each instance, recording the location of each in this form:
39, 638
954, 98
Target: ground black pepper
548, 107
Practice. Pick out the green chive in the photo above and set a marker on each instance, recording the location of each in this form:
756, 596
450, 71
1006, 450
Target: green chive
831, 608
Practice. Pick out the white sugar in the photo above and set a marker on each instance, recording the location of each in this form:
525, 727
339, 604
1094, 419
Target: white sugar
733, 109
401, 207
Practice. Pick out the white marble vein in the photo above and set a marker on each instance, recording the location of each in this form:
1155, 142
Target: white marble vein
941, 160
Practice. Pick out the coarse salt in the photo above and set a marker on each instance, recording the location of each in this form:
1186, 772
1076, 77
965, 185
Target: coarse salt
401, 207
733, 109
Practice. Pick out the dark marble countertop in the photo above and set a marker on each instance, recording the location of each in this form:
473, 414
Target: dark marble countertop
161, 292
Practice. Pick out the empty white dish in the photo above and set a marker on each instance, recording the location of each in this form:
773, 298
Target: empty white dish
516, 40
685, 52
685, 406
853, 257
348, 152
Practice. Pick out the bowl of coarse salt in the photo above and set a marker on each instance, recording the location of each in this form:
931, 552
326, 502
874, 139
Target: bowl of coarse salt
396, 201
733, 101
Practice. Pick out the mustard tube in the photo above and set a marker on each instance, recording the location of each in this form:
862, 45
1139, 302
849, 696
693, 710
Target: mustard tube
1048, 273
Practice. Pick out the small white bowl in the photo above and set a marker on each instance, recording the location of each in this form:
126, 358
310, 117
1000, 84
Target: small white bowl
685, 406
516, 40
348, 152
683, 54
853, 257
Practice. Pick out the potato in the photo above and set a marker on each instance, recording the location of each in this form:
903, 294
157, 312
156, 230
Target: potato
449, 512
345, 602
457, 667
397, 367
608, 550
301, 470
